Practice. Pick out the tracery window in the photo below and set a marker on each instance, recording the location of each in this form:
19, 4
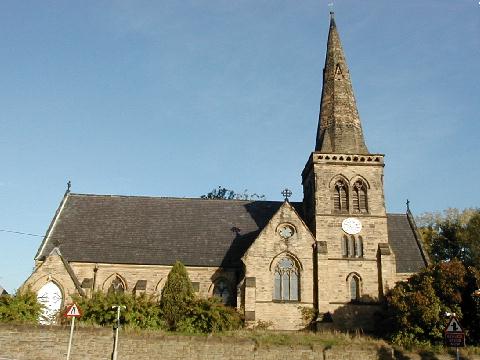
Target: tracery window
286, 279
340, 197
352, 246
359, 197
117, 286
354, 288
222, 290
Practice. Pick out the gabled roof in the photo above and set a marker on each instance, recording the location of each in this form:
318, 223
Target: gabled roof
198, 232
406, 246
152, 230
3, 291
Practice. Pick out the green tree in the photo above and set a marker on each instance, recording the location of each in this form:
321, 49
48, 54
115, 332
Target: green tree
222, 193
415, 310
452, 234
21, 307
177, 294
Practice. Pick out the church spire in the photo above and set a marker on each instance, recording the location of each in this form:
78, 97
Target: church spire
339, 127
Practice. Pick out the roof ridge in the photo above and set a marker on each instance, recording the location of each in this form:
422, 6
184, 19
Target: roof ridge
173, 198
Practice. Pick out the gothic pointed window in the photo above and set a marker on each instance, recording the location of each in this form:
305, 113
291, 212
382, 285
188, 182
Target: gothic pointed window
354, 288
352, 246
340, 197
117, 286
359, 197
222, 291
286, 280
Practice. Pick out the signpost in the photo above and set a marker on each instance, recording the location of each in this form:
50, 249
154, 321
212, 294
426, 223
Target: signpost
454, 334
73, 311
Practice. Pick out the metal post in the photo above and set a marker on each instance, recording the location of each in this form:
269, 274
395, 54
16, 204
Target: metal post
115, 340
71, 337
458, 355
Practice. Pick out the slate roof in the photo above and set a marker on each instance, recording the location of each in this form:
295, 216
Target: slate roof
154, 230
402, 239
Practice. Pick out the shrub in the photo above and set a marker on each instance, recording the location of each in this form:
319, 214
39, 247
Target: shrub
21, 307
209, 315
140, 312
177, 294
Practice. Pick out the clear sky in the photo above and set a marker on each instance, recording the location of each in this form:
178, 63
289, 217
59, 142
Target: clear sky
173, 98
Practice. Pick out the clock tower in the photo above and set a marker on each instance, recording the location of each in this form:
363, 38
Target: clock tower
343, 196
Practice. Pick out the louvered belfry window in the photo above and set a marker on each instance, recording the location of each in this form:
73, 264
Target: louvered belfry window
340, 197
359, 197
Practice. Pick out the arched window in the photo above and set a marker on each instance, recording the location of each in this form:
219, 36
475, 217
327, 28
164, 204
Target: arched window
223, 291
50, 296
354, 288
340, 197
359, 247
344, 246
286, 280
352, 246
359, 197
117, 286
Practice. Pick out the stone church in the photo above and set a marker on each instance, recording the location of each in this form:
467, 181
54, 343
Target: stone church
336, 252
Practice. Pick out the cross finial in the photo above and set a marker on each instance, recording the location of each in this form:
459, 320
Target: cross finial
69, 185
286, 193
408, 205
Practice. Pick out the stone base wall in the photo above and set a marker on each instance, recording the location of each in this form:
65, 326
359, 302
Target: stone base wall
42, 343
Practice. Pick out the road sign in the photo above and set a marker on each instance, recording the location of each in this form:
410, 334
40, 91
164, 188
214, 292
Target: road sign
454, 335
73, 311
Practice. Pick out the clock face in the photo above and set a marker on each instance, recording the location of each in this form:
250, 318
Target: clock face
351, 226
286, 231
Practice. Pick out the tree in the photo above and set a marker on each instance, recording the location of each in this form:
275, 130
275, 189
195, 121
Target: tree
177, 294
415, 310
453, 234
222, 193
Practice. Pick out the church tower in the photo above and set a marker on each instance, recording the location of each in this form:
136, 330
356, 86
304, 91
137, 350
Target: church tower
343, 194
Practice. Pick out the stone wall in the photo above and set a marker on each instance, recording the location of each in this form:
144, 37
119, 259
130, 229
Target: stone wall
42, 343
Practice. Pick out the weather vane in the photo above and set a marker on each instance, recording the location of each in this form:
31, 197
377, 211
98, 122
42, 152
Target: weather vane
286, 193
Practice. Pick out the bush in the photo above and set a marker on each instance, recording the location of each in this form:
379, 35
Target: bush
177, 295
21, 307
209, 315
140, 312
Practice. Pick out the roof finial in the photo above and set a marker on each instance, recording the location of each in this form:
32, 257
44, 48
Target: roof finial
408, 205
286, 193
330, 6
69, 185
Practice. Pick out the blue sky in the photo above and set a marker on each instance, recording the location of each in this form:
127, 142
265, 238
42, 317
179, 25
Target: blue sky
173, 98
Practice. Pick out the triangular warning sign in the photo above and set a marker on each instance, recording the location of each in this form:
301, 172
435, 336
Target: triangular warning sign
73, 311
453, 326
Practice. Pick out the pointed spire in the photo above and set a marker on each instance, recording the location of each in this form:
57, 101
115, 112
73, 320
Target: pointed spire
339, 126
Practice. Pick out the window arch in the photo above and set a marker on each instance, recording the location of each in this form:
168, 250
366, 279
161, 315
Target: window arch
51, 297
117, 285
354, 287
359, 197
286, 280
222, 289
340, 196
